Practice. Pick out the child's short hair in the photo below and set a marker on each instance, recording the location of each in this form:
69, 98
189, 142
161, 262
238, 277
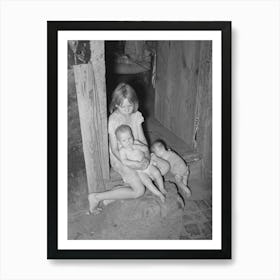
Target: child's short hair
121, 92
158, 144
121, 129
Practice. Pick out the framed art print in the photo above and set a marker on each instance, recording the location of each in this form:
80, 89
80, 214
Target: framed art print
139, 140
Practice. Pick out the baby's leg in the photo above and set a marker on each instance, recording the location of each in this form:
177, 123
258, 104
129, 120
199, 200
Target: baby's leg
186, 176
161, 164
185, 179
158, 178
181, 184
149, 184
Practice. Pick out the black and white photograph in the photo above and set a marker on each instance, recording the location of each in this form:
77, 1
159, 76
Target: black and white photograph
136, 116
141, 166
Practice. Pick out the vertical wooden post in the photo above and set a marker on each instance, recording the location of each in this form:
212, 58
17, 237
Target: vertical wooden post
204, 109
91, 96
98, 64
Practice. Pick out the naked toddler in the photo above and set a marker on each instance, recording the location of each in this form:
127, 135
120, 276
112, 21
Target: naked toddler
131, 150
178, 166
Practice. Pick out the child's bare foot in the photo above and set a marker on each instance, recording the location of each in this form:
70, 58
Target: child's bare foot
181, 201
187, 191
163, 190
93, 203
162, 198
108, 201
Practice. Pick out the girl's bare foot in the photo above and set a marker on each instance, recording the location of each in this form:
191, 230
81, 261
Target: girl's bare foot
107, 201
93, 203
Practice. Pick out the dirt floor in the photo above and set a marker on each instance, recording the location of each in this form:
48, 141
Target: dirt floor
143, 218
146, 217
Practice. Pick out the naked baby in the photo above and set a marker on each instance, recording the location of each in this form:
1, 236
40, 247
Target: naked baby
132, 150
178, 167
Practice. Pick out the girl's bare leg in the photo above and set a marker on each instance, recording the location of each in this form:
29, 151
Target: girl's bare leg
108, 201
135, 190
149, 184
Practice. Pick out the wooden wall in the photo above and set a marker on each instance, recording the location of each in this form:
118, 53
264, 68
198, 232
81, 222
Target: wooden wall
183, 94
176, 86
203, 134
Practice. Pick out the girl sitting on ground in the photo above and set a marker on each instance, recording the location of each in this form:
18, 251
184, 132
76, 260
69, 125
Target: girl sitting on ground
124, 110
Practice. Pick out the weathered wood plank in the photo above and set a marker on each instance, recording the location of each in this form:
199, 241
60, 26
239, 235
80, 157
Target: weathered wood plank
161, 80
98, 64
91, 96
204, 109
176, 86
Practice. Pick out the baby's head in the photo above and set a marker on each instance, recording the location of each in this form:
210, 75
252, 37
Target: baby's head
158, 148
124, 135
125, 99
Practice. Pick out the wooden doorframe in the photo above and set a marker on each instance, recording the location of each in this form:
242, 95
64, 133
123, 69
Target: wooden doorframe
92, 105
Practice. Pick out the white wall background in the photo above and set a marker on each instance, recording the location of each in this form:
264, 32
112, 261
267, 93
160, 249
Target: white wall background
256, 142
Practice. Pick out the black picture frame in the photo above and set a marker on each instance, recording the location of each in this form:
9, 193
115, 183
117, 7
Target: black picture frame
52, 139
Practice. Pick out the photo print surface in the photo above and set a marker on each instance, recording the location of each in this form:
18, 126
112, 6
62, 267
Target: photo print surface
172, 81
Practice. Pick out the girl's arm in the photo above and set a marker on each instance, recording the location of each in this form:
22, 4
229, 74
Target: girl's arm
128, 162
141, 136
114, 146
137, 165
143, 148
115, 150
142, 140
